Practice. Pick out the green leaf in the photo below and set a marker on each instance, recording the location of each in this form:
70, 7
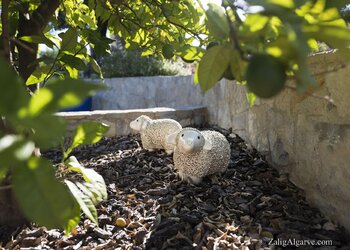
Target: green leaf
14, 96
38, 39
275, 6
95, 66
339, 4
13, 149
195, 77
38, 75
69, 40
61, 94
73, 72
217, 22
87, 133
337, 37
237, 66
255, 22
168, 51
190, 53
37, 129
85, 202
90, 193
212, 66
251, 98
73, 62
94, 181
42, 198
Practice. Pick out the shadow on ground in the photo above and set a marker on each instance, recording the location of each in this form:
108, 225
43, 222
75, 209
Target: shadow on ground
250, 206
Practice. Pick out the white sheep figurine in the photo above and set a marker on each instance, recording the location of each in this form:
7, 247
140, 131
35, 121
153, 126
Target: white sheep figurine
198, 154
154, 132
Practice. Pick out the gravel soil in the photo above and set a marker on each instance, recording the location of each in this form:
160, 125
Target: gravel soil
250, 206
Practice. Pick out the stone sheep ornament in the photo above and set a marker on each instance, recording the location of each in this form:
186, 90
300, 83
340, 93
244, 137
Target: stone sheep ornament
199, 153
154, 132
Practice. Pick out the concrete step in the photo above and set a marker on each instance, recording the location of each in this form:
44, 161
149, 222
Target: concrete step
119, 120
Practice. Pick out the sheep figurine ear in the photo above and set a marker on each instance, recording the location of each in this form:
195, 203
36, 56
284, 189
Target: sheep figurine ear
207, 145
144, 125
171, 139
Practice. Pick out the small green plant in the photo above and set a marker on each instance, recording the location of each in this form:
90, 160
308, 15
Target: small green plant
127, 63
27, 123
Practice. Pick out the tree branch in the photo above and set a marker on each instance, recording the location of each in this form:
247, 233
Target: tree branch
5, 36
45, 11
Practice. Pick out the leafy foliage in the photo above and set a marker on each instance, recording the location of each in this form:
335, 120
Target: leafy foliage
24, 124
263, 41
125, 63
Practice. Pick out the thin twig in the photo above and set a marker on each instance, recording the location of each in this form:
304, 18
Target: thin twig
234, 37
5, 187
22, 44
324, 98
50, 74
3, 125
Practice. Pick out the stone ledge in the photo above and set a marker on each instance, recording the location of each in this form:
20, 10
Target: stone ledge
119, 119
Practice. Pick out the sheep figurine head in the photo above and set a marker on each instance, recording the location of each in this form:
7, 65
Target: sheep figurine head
189, 141
140, 123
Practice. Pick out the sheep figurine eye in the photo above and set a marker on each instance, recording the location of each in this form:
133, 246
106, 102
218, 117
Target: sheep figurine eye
137, 120
198, 137
182, 135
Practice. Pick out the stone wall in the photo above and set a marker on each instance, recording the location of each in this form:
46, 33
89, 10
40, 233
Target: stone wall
303, 135
148, 92
119, 120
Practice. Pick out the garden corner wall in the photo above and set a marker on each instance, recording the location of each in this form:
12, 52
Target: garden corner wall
148, 92
305, 136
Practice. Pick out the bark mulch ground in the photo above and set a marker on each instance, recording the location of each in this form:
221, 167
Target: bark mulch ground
150, 208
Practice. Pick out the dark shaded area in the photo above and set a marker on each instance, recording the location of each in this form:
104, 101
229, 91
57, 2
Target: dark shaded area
242, 209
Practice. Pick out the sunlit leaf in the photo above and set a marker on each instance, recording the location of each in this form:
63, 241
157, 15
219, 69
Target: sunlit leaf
217, 22
39, 75
85, 202
61, 94
14, 148
251, 98
38, 39
87, 133
212, 66
73, 61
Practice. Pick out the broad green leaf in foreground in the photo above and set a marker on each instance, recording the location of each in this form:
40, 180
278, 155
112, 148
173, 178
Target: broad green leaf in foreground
89, 193
45, 130
14, 148
61, 94
85, 202
212, 66
42, 198
13, 95
217, 22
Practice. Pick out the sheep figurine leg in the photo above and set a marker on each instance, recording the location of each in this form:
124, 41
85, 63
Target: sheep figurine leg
199, 153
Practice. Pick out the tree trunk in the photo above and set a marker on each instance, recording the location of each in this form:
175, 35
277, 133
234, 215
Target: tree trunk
10, 214
5, 35
32, 25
